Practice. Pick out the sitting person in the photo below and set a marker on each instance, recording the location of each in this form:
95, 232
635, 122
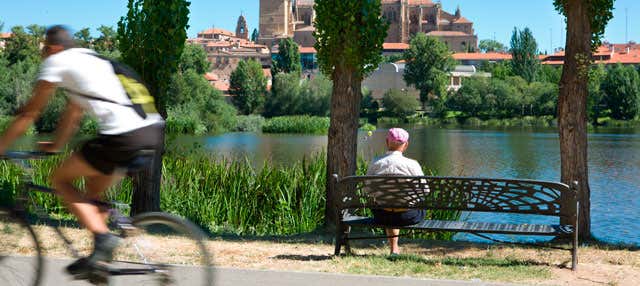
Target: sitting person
394, 163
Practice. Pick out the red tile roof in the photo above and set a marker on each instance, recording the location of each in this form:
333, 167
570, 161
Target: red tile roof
462, 20
5, 35
481, 56
219, 44
411, 2
395, 46
211, 76
306, 50
217, 31
447, 33
605, 54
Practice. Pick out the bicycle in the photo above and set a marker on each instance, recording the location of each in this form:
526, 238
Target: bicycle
146, 239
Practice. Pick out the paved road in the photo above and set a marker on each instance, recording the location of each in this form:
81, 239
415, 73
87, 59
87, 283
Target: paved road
240, 277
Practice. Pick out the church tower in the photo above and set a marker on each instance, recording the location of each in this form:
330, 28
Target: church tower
241, 28
276, 20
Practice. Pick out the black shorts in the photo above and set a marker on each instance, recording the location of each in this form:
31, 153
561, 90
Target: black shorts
398, 218
106, 153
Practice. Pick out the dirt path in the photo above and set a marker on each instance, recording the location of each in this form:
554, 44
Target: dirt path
597, 265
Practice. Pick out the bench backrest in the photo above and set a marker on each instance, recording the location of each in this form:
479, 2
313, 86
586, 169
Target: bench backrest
452, 193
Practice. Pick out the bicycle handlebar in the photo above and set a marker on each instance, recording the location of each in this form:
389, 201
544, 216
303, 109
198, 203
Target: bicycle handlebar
25, 155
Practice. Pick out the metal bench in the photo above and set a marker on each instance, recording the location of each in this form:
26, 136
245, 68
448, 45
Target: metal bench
458, 194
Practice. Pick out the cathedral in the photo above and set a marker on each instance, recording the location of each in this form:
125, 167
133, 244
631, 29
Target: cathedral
294, 18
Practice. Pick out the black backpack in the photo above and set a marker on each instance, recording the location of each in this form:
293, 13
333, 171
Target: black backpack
138, 92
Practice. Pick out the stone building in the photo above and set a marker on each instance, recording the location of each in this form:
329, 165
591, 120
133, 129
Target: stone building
226, 49
294, 18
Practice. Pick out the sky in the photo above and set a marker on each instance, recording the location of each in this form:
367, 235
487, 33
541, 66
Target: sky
493, 19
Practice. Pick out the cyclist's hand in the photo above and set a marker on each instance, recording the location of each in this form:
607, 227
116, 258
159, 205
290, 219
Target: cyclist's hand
47, 147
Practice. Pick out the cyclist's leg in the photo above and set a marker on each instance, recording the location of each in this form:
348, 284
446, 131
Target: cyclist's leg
71, 169
97, 185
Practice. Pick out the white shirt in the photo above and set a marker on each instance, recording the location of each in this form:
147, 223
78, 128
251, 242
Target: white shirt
80, 72
394, 163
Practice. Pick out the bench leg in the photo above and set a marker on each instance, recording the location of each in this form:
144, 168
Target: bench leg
574, 251
347, 246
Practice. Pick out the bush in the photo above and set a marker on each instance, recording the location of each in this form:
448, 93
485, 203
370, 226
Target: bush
297, 124
249, 123
182, 120
368, 127
400, 104
291, 95
6, 120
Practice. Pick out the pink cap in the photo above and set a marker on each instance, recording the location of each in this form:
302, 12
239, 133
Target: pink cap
398, 135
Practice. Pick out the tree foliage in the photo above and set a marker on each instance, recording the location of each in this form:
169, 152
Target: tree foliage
248, 86
83, 38
288, 58
254, 35
428, 62
398, 103
524, 51
596, 95
151, 38
107, 41
194, 57
599, 11
621, 87
23, 46
291, 95
487, 46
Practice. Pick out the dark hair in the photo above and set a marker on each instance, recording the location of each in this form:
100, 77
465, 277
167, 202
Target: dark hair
59, 35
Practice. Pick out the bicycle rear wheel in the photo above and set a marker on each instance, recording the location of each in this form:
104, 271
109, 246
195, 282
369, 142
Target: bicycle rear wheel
21, 262
162, 249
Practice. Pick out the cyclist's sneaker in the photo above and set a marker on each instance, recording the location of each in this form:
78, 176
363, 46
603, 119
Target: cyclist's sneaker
102, 253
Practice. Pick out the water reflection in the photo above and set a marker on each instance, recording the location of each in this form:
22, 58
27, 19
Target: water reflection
614, 163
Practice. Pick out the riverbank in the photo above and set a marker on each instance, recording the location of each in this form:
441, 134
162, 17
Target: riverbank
526, 121
598, 265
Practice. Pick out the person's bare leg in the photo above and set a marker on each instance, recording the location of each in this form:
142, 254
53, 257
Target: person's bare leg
96, 187
393, 241
63, 177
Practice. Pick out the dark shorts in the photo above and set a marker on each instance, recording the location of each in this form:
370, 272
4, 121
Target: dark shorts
404, 218
106, 153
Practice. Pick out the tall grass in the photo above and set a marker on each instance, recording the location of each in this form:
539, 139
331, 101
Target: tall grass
221, 195
297, 124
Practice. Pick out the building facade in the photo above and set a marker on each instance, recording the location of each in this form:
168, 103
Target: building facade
294, 19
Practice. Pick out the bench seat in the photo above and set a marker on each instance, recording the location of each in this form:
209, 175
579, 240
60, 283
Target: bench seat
462, 226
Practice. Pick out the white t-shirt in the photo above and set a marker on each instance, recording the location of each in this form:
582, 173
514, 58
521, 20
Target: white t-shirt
394, 163
81, 73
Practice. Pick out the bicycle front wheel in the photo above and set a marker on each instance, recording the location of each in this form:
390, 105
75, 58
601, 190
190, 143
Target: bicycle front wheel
162, 249
20, 253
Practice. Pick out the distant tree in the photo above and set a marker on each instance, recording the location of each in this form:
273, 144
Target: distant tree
107, 41
285, 96
22, 46
487, 46
399, 103
428, 62
248, 86
586, 21
500, 70
349, 35
83, 38
470, 97
545, 98
595, 100
622, 94
1, 26
194, 57
151, 38
524, 51
316, 94
288, 58
549, 73
254, 35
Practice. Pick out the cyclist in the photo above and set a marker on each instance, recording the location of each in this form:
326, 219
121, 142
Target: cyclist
125, 127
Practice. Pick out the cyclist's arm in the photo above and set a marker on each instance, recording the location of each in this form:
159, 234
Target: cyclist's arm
27, 114
67, 126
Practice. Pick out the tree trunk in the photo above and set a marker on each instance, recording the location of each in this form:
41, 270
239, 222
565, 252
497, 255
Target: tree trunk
343, 133
572, 110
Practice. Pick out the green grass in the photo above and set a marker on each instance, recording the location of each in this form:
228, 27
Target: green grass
483, 268
297, 124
